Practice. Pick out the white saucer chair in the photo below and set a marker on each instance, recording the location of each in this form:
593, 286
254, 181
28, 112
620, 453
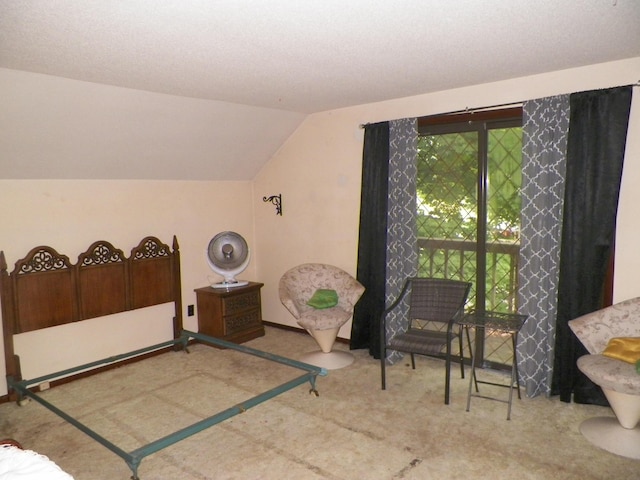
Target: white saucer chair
298, 285
618, 378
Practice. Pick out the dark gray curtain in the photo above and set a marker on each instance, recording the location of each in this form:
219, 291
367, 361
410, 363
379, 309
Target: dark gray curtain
372, 243
595, 152
545, 126
387, 247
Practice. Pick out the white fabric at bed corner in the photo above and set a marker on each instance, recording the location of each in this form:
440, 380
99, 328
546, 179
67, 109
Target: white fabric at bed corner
17, 464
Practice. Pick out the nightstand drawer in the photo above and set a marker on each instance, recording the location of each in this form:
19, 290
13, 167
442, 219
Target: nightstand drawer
241, 302
233, 314
242, 322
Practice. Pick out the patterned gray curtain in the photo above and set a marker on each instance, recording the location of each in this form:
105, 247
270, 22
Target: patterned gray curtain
402, 240
545, 128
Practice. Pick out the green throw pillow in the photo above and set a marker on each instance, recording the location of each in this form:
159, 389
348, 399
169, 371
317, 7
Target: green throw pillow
638, 366
323, 298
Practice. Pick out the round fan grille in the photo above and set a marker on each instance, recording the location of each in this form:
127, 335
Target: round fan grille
228, 255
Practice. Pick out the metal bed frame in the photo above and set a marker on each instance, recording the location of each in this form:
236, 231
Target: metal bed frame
134, 457
45, 290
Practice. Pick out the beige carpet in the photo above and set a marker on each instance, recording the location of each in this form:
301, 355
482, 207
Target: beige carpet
353, 430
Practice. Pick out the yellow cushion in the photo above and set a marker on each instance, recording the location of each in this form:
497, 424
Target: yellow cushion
626, 349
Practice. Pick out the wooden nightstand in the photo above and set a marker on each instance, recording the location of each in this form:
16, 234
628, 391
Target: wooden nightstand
233, 314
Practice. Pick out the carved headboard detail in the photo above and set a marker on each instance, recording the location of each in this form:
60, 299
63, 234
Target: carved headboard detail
45, 289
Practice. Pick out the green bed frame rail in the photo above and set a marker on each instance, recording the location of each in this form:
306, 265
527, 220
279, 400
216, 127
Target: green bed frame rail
134, 457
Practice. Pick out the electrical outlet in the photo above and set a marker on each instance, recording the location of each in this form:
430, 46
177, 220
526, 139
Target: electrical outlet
189, 310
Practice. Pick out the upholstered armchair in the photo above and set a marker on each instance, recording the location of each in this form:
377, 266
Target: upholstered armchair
618, 379
297, 287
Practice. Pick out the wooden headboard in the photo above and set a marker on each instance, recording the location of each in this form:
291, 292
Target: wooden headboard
45, 289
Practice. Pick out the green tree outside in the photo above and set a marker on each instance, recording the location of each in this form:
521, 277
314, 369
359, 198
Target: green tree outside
447, 207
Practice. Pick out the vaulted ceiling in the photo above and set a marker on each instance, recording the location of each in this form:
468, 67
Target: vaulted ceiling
304, 57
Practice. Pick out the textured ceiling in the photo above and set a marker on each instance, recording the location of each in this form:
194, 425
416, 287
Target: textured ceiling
306, 56
263, 64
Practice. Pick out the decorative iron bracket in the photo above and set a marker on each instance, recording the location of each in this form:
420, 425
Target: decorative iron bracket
276, 200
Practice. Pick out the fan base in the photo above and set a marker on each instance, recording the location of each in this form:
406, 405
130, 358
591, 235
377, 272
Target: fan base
240, 283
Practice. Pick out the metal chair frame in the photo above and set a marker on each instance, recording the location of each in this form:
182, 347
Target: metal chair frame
440, 301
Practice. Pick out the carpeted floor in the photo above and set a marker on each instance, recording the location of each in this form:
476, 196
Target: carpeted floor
353, 430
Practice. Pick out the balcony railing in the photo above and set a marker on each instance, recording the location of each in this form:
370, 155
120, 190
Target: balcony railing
451, 258
457, 259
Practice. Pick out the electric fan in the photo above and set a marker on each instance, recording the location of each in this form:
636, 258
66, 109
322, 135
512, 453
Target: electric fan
228, 255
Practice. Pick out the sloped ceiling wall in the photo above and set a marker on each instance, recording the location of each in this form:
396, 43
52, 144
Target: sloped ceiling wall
238, 77
57, 128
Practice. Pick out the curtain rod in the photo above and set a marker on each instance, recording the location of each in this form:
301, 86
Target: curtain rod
492, 107
465, 110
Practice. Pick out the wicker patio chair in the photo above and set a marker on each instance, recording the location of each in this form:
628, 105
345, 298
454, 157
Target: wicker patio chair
434, 307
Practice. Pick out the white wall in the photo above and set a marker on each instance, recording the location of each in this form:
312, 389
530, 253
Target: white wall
318, 173
56, 128
69, 215
53, 127
627, 263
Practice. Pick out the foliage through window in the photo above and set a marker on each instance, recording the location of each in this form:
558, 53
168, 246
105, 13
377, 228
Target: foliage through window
468, 208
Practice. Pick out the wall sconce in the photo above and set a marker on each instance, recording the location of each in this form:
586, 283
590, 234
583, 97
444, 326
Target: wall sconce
276, 200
